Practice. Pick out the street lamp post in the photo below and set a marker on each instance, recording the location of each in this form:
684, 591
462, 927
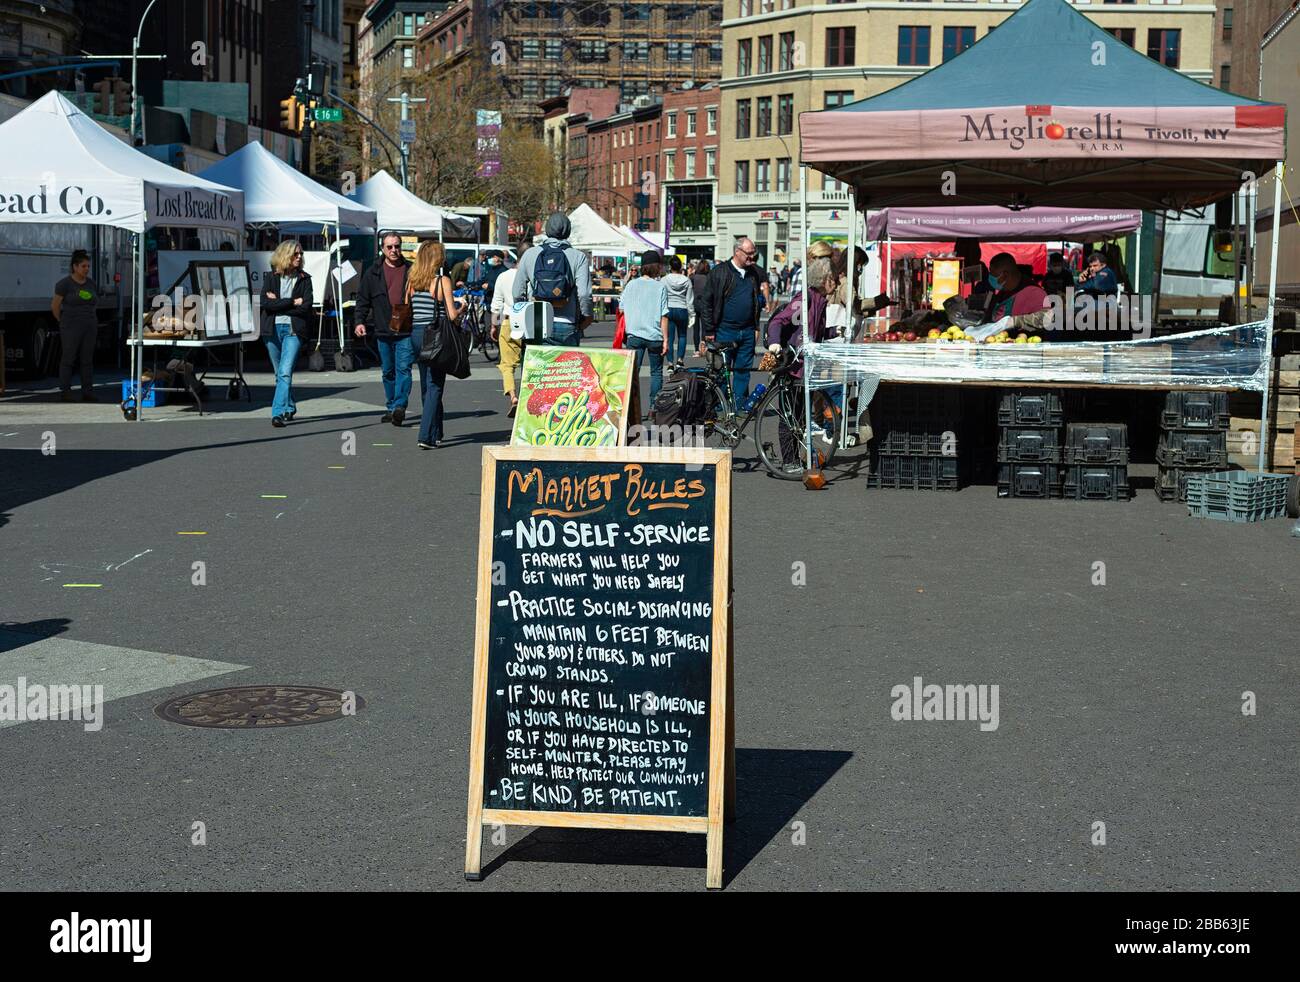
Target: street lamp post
135, 65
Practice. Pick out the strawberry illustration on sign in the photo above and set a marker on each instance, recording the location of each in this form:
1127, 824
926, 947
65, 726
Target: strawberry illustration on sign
573, 398
1054, 130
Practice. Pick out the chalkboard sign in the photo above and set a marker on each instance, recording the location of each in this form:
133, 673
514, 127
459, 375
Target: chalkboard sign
602, 655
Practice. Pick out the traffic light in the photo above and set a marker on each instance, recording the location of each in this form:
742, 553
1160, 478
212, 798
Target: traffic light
309, 114
103, 97
123, 96
291, 114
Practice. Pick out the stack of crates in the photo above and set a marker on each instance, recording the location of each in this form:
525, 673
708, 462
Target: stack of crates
1096, 462
918, 441
1030, 422
1193, 440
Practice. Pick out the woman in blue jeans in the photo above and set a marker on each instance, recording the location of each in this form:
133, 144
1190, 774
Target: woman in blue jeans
681, 301
645, 311
430, 289
286, 319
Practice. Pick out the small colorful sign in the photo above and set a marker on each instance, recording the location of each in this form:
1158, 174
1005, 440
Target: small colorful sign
571, 397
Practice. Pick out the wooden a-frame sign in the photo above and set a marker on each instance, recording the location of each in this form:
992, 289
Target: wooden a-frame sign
710, 465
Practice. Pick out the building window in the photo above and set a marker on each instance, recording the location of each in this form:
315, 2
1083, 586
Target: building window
408, 57
680, 51
914, 46
553, 50
690, 163
715, 53
839, 46
762, 175
636, 11
672, 126
530, 88
783, 174
1163, 45
746, 7
552, 87
670, 165
744, 56
1125, 34
785, 114
636, 50
786, 52
532, 49
1227, 23
710, 163
690, 122
593, 51
408, 24
837, 98
742, 119
765, 54
956, 40
1225, 76
710, 121
742, 176
764, 122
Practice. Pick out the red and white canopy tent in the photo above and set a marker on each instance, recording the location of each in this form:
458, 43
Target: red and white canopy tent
1048, 109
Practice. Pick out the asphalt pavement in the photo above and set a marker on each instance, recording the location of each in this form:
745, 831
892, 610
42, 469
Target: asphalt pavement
1121, 685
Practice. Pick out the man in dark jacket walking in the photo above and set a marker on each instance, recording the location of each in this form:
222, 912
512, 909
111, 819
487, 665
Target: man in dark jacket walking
382, 287
732, 302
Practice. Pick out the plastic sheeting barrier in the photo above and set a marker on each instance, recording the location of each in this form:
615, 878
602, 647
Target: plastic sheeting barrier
1230, 357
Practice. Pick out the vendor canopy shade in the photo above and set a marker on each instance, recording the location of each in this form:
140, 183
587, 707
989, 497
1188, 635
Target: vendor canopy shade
591, 233
1047, 109
398, 210
1001, 224
60, 166
275, 193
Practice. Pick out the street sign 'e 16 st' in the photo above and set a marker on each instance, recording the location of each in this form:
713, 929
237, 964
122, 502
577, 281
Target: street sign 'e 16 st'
328, 114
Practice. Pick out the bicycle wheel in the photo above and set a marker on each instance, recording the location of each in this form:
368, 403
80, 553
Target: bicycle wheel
779, 432
721, 425
491, 348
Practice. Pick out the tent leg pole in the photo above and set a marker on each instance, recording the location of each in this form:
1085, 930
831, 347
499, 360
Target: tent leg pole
803, 304
137, 364
1269, 316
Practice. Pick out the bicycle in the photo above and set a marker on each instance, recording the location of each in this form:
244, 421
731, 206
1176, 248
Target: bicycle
778, 416
476, 322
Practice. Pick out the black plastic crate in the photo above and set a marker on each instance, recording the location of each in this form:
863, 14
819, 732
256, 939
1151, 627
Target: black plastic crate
1171, 482
1096, 482
895, 401
1029, 481
1031, 407
1096, 443
917, 437
911, 472
1193, 448
1196, 411
1030, 445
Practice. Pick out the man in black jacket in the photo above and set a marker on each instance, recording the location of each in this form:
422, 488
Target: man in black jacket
730, 311
383, 286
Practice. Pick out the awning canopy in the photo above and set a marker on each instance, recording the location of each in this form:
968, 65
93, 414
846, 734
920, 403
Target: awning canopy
60, 166
398, 210
648, 239
275, 193
1001, 224
1085, 118
591, 233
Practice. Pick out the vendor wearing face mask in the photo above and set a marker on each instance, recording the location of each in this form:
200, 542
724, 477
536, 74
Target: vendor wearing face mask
1014, 295
1058, 277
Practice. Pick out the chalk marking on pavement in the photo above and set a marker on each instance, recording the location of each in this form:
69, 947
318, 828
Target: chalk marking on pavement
191, 533
115, 568
381, 444
83, 584
121, 671
275, 496
335, 467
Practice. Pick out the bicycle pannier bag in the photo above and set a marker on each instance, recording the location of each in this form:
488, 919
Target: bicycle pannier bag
682, 401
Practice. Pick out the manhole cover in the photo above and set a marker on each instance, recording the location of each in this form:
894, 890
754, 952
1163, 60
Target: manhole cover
251, 707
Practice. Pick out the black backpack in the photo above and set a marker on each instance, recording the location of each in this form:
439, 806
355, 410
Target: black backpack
552, 278
682, 401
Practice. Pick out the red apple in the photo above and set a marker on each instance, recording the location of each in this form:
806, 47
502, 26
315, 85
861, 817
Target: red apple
909, 336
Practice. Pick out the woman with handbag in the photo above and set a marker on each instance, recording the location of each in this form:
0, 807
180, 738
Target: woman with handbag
286, 322
432, 307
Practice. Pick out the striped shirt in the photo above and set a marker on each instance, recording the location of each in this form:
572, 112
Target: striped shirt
423, 308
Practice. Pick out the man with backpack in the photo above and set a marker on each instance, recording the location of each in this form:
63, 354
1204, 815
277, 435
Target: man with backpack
556, 272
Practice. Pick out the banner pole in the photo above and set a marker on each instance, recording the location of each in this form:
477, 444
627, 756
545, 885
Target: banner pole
1268, 317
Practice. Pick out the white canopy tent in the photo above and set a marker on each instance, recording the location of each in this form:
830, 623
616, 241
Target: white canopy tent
276, 194
64, 168
398, 210
591, 233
